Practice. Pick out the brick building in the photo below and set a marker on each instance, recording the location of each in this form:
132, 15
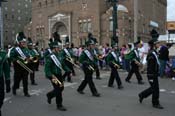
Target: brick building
76, 18
16, 14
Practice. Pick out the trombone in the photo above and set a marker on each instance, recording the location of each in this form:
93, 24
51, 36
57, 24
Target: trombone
24, 66
91, 68
69, 59
56, 81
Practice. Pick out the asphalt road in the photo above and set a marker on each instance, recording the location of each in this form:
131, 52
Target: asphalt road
113, 102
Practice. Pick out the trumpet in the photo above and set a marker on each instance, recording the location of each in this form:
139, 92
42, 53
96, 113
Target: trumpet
35, 59
116, 65
56, 81
24, 66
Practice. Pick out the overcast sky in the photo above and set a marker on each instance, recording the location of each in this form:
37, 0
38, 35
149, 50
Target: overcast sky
171, 12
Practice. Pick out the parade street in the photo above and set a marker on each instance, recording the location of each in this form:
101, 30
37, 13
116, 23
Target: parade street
113, 102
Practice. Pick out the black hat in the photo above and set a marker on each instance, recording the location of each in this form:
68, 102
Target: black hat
153, 41
30, 43
90, 42
67, 40
20, 37
56, 37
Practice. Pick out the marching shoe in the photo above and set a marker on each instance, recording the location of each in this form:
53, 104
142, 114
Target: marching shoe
140, 82
158, 106
96, 95
61, 108
49, 101
140, 98
120, 87
34, 84
27, 95
98, 78
128, 81
81, 92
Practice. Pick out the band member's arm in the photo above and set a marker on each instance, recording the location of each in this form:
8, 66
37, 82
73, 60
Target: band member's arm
47, 68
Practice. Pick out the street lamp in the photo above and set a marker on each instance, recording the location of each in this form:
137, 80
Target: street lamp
1, 24
114, 3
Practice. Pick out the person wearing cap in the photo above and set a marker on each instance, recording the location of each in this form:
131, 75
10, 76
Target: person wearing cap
114, 63
4, 76
87, 61
20, 52
33, 62
153, 65
53, 70
95, 53
68, 60
135, 63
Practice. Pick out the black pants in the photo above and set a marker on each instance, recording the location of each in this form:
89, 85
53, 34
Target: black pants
88, 80
134, 69
2, 94
57, 91
20, 74
114, 75
67, 74
32, 66
153, 89
97, 71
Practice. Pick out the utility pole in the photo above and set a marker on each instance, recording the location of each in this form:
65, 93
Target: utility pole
135, 20
114, 4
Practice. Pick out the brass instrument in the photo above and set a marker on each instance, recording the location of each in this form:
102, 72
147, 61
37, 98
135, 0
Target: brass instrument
91, 68
138, 63
56, 81
116, 65
25, 61
24, 66
34, 59
71, 61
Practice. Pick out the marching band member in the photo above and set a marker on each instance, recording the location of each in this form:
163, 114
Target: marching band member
33, 62
135, 63
20, 56
4, 76
87, 61
114, 63
53, 70
153, 65
67, 56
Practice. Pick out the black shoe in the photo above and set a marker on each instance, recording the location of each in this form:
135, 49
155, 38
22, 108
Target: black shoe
96, 95
140, 82
14, 91
81, 92
128, 81
34, 84
49, 100
158, 106
112, 86
70, 81
140, 98
27, 95
98, 78
120, 87
61, 108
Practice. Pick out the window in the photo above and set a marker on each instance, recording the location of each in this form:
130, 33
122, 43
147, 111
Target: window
89, 27
19, 18
13, 17
5, 16
110, 25
26, 5
19, 11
